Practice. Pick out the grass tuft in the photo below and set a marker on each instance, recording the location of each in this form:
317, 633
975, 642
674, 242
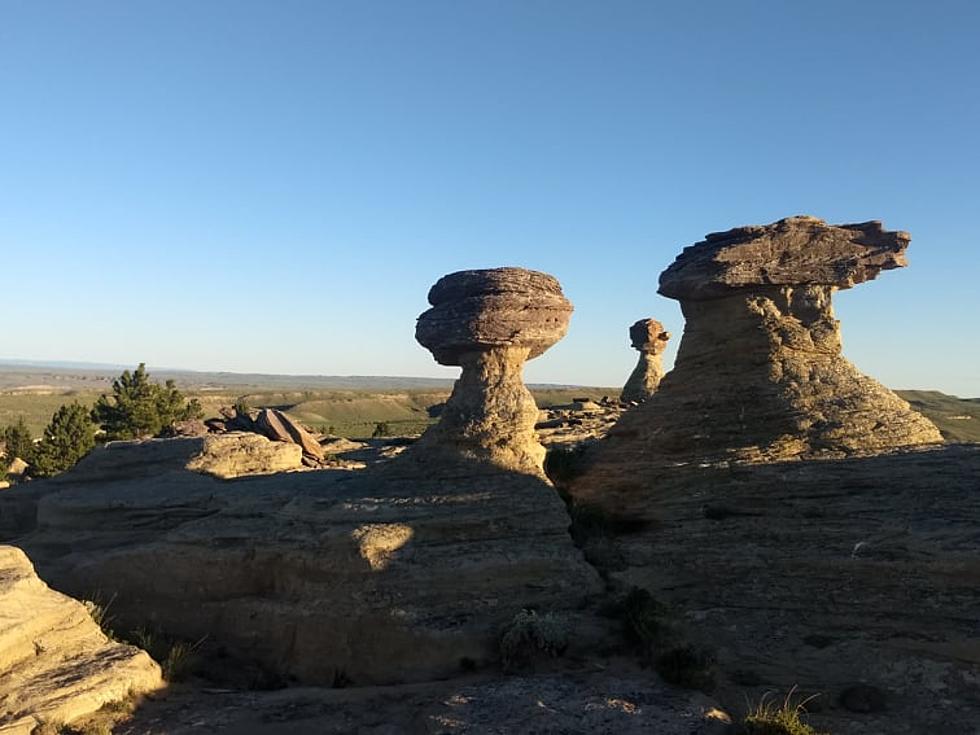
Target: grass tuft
770, 718
529, 634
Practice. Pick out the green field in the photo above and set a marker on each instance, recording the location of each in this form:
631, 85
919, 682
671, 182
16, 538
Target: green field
355, 413
957, 418
346, 413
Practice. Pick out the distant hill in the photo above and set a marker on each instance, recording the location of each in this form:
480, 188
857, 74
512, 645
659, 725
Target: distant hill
84, 376
957, 418
35, 390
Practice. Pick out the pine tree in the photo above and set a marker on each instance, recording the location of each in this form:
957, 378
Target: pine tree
18, 443
68, 438
138, 407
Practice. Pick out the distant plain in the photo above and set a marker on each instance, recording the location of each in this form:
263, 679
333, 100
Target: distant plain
349, 406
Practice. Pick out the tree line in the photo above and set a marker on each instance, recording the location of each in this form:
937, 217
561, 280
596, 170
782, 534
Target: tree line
136, 408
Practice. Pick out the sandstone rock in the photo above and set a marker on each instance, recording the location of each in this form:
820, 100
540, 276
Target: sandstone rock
490, 322
279, 427
649, 337
56, 665
555, 703
830, 575
190, 427
314, 574
759, 374
242, 453
796, 251
16, 468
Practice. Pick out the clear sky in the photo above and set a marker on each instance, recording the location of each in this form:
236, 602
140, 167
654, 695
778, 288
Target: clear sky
273, 186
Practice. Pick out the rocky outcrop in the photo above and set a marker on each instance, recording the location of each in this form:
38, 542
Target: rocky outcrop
404, 572
281, 428
310, 576
56, 665
649, 337
599, 701
759, 374
490, 322
851, 579
270, 423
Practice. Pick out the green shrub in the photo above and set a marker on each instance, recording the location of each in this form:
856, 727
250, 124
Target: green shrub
181, 660
139, 407
68, 438
99, 609
178, 659
381, 429
530, 634
18, 443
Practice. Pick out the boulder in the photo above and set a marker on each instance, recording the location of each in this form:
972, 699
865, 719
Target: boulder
279, 427
649, 337
490, 322
56, 665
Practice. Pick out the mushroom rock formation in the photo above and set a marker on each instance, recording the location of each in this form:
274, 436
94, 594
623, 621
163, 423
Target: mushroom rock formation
649, 337
490, 322
759, 374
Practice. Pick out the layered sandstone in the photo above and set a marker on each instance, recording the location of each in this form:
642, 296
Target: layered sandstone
649, 337
490, 322
403, 572
759, 374
56, 665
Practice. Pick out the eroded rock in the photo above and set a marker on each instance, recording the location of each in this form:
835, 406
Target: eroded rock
759, 374
490, 322
56, 665
649, 337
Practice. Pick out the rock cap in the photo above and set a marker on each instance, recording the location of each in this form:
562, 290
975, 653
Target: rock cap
498, 307
649, 335
795, 251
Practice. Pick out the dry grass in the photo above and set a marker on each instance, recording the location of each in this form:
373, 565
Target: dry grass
769, 717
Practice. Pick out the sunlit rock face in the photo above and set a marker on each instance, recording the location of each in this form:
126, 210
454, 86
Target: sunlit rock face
759, 374
490, 322
649, 337
388, 575
56, 664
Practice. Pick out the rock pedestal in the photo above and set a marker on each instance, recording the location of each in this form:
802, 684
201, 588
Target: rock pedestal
649, 337
759, 374
490, 322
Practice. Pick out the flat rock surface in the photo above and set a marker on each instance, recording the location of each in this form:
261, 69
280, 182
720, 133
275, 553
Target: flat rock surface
312, 575
827, 575
587, 703
56, 665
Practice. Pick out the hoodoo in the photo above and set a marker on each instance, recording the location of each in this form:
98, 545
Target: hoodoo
759, 374
490, 322
649, 337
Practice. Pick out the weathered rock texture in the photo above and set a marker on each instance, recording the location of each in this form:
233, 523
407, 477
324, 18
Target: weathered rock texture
650, 338
56, 665
830, 575
759, 374
490, 322
596, 702
309, 575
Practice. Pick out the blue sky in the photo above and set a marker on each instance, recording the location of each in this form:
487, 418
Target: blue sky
274, 186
